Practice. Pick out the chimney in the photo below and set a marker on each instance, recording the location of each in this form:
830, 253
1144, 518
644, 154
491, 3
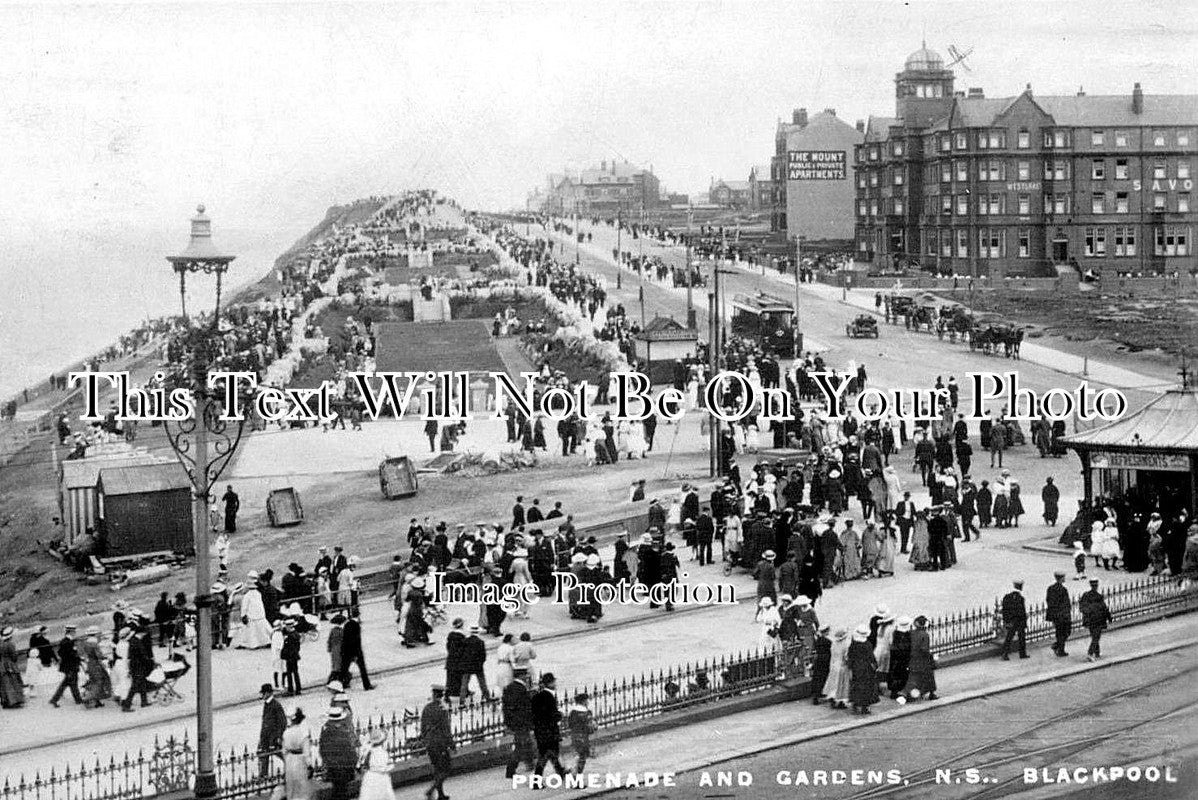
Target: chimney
603, 165
800, 117
1137, 100
1081, 91
830, 111
861, 126
976, 91
1028, 90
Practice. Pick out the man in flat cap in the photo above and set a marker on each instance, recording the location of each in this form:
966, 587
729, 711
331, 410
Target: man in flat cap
1014, 619
1059, 611
1095, 616
437, 736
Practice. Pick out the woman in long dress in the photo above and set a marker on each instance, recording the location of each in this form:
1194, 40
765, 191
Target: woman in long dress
887, 544
376, 777
919, 542
520, 576
769, 620
297, 759
836, 687
120, 663
900, 657
863, 672
12, 685
921, 674
255, 630
885, 636
851, 552
415, 628
98, 687
869, 550
503, 662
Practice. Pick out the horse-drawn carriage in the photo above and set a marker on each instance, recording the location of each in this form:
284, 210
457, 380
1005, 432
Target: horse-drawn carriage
992, 334
864, 326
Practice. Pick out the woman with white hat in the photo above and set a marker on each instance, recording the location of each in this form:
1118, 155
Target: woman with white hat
376, 764
768, 621
521, 575
120, 662
863, 671
836, 687
883, 639
900, 657
98, 686
297, 758
255, 630
415, 628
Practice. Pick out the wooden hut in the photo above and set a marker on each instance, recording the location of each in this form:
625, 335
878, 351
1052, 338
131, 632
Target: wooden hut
145, 509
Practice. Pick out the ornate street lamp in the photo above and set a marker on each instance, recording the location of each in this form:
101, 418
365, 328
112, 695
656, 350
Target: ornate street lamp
204, 444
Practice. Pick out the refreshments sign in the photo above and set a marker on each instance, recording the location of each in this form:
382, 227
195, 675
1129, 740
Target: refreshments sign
1162, 462
816, 165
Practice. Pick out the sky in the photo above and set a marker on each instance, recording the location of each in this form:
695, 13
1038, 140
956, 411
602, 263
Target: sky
116, 120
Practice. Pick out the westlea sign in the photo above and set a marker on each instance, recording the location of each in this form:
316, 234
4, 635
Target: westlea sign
816, 165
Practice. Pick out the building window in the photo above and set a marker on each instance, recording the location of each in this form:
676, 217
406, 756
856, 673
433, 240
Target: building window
873, 208
898, 177
1172, 240
1158, 138
1056, 204
1121, 138
1056, 138
930, 238
873, 178
1097, 203
998, 139
1095, 242
1056, 170
1183, 169
1025, 204
1125, 242
991, 243
1183, 203
1098, 170
962, 243
861, 208
1122, 203
991, 170
996, 203
946, 244
946, 172
960, 142
962, 205
873, 154
1096, 138
1025, 243
1159, 169
1121, 169
1024, 170
962, 170
863, 246
946, 143
861, 180
898, 205
1024, 140
946, 204
1183, 138
1158, 201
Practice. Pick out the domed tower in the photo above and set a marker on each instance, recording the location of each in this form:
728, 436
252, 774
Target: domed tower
924, 89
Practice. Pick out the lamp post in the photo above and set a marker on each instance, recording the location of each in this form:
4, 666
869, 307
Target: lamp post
619, 254
203, 445
798, 269
690, 298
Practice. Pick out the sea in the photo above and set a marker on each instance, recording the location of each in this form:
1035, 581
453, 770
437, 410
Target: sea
66, 294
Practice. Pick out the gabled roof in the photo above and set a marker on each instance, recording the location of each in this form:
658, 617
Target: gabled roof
1115, 109
878, 128
1170, 422
83, 473
666, 329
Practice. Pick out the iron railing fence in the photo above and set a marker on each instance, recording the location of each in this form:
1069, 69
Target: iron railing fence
169, 765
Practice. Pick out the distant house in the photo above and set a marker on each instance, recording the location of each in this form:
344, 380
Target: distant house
729, 194
761, 189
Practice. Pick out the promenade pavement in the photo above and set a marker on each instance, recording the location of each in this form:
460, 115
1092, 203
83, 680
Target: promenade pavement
692, 747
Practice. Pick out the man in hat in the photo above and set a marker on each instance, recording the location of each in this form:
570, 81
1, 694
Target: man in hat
334, 645
437, 737
517, 718
454, 642
518, 516
904, 513
1014, 619
141, 664
68, 665
473, 664
270, 734
339, 752
547, 725
340, 563
42, 657
704, 536
352, 651
1059, 611
323, 560
1095, 616
657, 515
220, 616
668, 568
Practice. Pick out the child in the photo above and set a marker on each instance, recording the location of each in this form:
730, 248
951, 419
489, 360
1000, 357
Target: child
581, 724
1079, 561
278, 668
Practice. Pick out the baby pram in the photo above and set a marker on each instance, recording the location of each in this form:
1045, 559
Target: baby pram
306, 625
164, 677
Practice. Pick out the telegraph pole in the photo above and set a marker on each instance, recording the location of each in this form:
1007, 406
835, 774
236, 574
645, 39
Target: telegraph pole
798, 268
619, 254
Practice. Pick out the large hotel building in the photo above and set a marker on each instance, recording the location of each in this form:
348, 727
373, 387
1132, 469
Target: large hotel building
980, 186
